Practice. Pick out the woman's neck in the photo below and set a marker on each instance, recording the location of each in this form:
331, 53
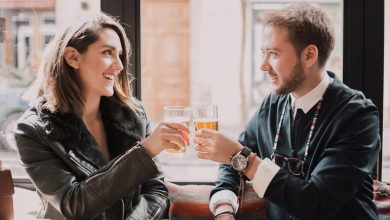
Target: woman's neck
91, 110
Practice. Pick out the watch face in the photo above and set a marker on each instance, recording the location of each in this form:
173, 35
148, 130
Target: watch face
239, 162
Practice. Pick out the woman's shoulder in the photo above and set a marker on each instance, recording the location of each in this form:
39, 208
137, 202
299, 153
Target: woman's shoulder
30, 124
31, 117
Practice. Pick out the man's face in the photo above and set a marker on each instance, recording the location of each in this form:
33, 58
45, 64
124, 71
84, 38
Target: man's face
280, 60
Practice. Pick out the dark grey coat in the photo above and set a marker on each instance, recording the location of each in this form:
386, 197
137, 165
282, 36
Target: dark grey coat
342, 154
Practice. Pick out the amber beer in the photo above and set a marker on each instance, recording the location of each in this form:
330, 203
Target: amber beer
182, 150
206, 117
206, 123
177, 114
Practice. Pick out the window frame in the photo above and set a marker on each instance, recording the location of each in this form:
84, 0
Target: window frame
363, 55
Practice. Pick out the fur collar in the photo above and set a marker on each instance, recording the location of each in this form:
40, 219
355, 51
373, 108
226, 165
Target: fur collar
124, 126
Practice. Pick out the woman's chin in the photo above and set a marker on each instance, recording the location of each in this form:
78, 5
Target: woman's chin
109, 93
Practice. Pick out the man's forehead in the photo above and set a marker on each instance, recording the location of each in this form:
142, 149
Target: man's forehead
274, 37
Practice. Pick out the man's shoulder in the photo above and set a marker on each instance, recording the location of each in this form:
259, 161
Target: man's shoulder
344, 94
272, 101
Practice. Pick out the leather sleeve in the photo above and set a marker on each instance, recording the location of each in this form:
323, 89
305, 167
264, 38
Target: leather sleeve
81, 199
153, 202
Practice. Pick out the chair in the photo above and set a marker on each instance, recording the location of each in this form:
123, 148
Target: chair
6, 193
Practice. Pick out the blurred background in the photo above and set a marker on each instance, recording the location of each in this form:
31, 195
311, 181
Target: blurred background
192, 52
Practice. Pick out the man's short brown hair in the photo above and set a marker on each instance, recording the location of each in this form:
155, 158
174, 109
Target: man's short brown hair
306, 24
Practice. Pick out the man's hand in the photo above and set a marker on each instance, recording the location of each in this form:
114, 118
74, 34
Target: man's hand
215, 146
224, 208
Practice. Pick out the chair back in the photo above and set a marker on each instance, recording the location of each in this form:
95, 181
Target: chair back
6, 193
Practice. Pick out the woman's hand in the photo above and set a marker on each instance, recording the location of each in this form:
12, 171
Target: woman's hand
167, 135
215, 146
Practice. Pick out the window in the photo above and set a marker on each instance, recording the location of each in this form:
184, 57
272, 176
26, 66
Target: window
386, 99
28, 27
48, 18
207, 51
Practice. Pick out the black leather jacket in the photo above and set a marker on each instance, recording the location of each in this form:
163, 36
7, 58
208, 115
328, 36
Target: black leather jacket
72, 178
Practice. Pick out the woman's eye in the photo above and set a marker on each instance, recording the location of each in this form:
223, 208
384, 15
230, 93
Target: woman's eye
108, 52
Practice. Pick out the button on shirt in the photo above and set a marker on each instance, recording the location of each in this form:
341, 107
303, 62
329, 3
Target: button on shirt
268, 169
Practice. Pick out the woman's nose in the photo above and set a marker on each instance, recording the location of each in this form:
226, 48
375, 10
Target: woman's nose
118, 64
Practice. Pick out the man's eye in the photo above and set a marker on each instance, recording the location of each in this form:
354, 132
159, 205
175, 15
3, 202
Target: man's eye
272, 54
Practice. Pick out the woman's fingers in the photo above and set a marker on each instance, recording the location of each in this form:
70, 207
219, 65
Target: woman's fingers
172, 145
177, 128
175, 139
177, 125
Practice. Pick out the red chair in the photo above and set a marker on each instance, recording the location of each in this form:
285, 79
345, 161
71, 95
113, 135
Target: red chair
6, 193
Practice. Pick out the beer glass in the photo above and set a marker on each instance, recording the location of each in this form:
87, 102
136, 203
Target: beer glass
206, 117
177, 114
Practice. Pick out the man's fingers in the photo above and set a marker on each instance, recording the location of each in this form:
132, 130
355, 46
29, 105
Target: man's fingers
204, 132
201, 148
203, 155
202, 141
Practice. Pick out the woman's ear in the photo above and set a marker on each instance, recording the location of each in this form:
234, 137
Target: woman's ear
309, 55
72, 57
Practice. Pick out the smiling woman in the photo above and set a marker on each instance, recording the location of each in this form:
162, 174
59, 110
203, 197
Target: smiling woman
89, 134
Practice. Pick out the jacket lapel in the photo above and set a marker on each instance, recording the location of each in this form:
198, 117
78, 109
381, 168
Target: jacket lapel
123, 128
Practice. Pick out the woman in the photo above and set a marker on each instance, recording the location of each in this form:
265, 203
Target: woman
86, 143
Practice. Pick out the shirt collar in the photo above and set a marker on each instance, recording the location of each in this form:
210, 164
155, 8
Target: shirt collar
307, 101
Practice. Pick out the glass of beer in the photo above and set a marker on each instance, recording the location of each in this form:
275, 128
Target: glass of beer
177, 114
206, 117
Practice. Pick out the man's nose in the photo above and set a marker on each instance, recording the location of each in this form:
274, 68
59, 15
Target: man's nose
264, 65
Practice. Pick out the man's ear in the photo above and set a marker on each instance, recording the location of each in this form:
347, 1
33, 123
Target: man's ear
309, 55
72, 57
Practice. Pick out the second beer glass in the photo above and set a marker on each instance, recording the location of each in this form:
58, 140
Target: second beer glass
206, 117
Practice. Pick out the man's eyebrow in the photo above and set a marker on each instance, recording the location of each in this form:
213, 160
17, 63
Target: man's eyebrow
270, 48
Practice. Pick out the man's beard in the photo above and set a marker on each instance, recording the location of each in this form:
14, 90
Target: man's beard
291, 83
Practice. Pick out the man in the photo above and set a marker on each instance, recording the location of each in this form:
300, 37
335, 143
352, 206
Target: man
312, 145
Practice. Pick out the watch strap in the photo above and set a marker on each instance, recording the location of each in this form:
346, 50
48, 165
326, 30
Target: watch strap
246, 151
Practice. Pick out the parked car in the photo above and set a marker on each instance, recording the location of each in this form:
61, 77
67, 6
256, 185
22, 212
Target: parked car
12, 107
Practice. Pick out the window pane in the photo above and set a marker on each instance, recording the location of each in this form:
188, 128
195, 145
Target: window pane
386, 99
26, 27
191, 54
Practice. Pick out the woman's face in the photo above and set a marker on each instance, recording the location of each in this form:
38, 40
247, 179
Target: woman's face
100, 64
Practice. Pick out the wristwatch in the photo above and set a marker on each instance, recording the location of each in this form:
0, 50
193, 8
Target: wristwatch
240, 161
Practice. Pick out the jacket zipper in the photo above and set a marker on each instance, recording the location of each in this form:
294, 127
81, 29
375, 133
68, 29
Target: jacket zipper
80, 165
157, 212
107, 168
123, 209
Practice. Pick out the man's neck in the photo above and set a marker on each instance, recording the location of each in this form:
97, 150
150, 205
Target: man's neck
311, 81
